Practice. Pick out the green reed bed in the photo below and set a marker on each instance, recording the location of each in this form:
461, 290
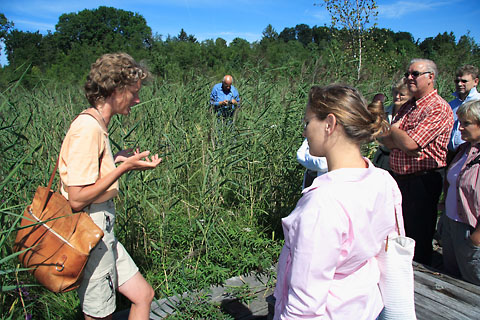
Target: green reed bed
210, 211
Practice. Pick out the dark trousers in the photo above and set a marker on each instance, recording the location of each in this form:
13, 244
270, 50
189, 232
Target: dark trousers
420, 195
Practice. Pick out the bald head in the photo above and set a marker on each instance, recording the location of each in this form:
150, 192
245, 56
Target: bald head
227, 82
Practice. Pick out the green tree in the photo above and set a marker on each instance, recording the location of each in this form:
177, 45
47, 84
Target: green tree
214, 53
240, 52
23, 48
269, 39
5, 26
269, 34
465, 50
320, 35
354, 16
442, 50
287, 34
303, 34
182, 36
109, 28
387, 52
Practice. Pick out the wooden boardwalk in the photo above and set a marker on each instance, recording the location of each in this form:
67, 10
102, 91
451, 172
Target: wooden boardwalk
437, 297
254, 288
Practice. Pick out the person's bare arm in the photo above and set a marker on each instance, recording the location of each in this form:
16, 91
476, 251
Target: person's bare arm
81, 196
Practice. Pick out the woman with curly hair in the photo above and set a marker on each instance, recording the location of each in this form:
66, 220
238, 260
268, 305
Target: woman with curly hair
89, 180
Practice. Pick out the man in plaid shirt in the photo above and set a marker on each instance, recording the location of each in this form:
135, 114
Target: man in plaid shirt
418, 140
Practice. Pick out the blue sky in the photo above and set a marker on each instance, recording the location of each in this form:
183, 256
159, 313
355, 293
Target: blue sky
207, 19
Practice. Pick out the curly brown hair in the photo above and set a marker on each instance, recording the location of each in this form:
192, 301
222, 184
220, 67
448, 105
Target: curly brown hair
110, 72
362, 122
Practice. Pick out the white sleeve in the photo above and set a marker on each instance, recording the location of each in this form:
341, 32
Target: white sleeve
310, 162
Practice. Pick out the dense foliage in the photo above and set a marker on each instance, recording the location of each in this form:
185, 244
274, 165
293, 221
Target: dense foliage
213, 208
80, 37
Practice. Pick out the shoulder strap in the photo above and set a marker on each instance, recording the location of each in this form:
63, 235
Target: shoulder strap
86, 113
50, 182
397, 225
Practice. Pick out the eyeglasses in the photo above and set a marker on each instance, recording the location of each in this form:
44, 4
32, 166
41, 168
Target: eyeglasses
415, 74
460, 80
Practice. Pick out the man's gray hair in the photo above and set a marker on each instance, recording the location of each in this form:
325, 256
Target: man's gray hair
430, 66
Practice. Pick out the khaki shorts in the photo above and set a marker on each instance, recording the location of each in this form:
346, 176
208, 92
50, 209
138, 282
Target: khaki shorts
108, 267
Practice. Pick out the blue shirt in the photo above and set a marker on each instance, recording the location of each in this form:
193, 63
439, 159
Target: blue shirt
456, 137
218, 95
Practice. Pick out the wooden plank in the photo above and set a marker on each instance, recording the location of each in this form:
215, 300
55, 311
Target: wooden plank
427, 309
442, 305
255, 308
431, 286
474, 289
437, 296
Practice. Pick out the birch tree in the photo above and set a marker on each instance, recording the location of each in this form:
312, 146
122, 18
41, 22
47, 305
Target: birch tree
355, 17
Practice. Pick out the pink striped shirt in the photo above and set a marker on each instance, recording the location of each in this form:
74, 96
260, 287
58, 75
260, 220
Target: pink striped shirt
468, 185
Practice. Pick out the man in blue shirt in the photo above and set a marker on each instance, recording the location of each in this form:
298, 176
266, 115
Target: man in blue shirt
466, 81
225, 98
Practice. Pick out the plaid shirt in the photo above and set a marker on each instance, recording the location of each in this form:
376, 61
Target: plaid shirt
428, 121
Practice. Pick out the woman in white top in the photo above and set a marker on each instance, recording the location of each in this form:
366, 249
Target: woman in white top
314, 166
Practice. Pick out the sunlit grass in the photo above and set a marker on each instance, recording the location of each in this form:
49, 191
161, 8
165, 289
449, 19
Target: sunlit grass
210, 211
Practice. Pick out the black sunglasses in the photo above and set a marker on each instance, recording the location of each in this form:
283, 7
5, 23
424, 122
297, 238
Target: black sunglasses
460, 80
415, 73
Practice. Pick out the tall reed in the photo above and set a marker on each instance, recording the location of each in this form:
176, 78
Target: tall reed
210, 211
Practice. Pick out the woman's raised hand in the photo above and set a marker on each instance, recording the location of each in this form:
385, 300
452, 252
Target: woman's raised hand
123, 155
140, 160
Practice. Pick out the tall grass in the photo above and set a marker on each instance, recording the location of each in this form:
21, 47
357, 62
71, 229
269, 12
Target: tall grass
210, 211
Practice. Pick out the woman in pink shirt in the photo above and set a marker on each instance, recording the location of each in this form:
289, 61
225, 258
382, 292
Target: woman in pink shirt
461, 223
327, 267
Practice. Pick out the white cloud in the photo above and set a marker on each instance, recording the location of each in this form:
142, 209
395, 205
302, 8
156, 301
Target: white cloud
30, 25
322, 16
400, 9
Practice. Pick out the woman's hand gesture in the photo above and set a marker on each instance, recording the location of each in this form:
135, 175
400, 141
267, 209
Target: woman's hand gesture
139, 160
123, 155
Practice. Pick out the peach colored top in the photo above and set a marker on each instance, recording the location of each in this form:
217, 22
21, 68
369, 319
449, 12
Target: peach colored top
86, 156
